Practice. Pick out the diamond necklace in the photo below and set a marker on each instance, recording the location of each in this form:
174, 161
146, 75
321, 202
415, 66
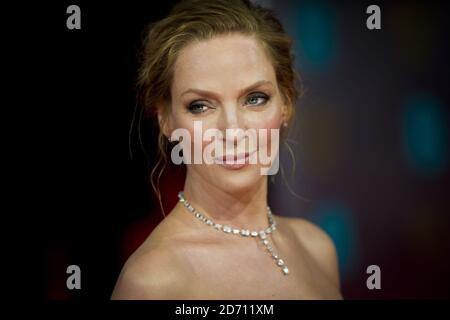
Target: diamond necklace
243, 232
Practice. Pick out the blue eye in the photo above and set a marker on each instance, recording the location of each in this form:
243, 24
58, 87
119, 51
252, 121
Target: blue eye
257, 99
197, 108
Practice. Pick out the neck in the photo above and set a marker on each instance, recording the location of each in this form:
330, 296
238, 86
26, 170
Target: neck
244, 208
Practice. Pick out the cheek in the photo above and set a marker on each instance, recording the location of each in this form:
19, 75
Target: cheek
268, 125
196, 129
270, 118
268, 122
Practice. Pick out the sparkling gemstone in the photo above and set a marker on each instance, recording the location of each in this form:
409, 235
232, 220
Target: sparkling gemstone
245, 232
217, 226
275, 256
191, 208
262, 235
268, 230
266, 242
236, 231
269, 248
254, 234
198, 215
209, 222
285, 270
226, 229
280, 262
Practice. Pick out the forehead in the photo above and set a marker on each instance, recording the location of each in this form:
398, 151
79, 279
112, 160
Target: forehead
222, 63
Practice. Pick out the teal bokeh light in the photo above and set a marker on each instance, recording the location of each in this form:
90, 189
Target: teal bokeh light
315, 33
337, 220
425, 134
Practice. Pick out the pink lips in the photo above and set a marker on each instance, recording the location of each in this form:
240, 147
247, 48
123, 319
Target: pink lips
235, 162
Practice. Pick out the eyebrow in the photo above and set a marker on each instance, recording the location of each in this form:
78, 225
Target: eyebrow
213, 94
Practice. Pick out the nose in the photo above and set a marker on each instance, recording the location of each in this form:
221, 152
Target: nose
231, 120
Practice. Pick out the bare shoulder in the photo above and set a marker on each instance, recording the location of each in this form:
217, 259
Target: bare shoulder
153, 273
318, 244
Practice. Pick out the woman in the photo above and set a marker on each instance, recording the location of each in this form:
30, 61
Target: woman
226, 65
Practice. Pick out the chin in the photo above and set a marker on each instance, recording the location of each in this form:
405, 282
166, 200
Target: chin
236, 180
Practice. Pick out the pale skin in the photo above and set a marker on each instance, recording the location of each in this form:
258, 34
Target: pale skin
185, 259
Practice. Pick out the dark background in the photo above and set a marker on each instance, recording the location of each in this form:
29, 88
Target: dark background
370, 140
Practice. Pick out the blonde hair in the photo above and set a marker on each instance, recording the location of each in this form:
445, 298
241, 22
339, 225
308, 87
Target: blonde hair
197, 20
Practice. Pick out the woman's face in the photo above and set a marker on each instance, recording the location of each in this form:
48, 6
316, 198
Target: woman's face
227, 82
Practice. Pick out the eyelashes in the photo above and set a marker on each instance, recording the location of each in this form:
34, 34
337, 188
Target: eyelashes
197, 107
254, 99
262, 96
